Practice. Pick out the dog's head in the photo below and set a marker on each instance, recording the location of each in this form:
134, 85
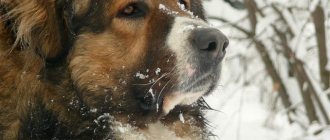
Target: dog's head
133, 56
143, 55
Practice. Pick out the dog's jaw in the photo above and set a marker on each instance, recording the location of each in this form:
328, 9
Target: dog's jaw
178, 98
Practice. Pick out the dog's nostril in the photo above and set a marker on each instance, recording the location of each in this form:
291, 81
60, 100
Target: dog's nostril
225, 45
211, 47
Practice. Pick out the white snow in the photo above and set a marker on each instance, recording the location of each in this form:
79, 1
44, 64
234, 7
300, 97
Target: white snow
166, 10
328, 66
155, 131
141, 76
181, 117
157, 71
93, 110
245, 96
314, 4
151, 92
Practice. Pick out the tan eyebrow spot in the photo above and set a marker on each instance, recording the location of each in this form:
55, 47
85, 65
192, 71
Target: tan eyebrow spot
80, 7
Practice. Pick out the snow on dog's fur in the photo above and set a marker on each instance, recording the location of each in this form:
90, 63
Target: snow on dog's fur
106, 69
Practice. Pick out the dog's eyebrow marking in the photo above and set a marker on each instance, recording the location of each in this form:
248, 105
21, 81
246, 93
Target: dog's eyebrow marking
81, 6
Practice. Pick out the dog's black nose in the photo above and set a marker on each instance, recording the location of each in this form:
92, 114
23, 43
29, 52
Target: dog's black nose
210, 41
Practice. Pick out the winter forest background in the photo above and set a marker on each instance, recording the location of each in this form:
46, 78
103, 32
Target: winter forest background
275, 82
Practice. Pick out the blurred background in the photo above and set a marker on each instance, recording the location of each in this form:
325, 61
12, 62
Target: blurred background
275, 82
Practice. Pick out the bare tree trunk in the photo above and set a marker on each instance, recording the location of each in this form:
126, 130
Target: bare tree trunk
252, 10
305, 84
319, 24
269, 65
297, 65
274, 74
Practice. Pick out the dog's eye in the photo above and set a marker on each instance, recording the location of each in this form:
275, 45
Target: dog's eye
134, 10
183, 4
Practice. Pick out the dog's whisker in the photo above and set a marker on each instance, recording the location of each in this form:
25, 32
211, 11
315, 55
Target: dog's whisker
160, 93
164, 75
143, 84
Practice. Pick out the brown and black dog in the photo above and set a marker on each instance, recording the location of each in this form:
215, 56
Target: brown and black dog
106, 69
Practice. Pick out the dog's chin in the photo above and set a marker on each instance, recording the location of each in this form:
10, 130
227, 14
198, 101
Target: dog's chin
189, 94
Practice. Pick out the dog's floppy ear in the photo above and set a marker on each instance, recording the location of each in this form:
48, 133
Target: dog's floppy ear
35, 26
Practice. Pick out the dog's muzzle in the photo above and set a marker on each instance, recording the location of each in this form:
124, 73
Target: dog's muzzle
199, 50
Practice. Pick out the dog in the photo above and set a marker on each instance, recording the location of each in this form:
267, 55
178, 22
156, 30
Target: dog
106, 69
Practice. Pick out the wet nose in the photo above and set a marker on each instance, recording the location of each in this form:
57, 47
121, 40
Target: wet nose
210, 41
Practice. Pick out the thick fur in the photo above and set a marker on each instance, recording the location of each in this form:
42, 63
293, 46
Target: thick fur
68, 70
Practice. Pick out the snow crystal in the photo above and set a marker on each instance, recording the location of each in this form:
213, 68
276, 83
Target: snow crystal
154, 131
122, 81
182, 6
105, 90
157, 107
181, 117
93, 110
141, 76
163, 8
152, 81
157, 71
152, 93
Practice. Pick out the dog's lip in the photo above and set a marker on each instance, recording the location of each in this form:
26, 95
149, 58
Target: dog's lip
200, 81
179, 98
188, 95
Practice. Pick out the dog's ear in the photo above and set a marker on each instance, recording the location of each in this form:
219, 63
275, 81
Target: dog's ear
35, 26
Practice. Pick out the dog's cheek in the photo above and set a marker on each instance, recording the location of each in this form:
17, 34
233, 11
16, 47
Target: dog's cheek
101, 66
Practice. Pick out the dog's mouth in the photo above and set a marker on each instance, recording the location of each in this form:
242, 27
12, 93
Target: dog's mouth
174, 94
190, 91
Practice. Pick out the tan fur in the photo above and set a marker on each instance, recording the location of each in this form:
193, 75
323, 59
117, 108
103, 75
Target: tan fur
81, 6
